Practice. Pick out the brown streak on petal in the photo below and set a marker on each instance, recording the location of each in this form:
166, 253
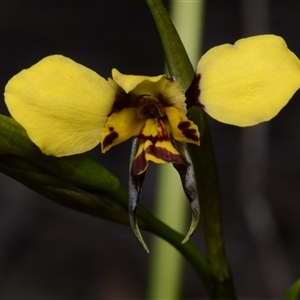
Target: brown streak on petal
165, 155
190, 134
151, 138
162, 132
193, 93
108, 140
120, 101
161, 136
139, 164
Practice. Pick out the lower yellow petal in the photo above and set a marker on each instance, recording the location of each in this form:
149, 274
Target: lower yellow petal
183, 130
61, 104
120, 126
248, 82
162, 152
156, 146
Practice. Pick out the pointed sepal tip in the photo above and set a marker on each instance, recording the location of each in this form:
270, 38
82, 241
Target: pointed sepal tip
136, 230
194, 223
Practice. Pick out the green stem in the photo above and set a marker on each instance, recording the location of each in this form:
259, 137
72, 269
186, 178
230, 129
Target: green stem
166, 272
81, 183
178, 63
60, 190
188, 250
181, 70
207, 181
166, 266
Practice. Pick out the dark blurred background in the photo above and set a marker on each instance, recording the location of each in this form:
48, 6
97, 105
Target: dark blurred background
50, 252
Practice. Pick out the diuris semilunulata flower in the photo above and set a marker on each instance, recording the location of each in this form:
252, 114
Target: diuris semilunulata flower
68, 109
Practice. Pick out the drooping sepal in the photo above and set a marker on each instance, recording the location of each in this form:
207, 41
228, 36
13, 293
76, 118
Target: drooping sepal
135, 189
188, 180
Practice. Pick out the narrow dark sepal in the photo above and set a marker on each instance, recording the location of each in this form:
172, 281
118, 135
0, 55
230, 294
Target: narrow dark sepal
135, 189
188, 180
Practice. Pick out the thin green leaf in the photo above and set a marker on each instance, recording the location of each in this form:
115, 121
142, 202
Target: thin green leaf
294, 291
178, 63
81, 183
76, 168
61, 191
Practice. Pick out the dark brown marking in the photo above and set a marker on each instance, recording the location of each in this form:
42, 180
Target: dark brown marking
121, 101
139, 164
124, 100
108, 140
190, 134
161, 136
184, 125
148, 106
193, 93
165, 155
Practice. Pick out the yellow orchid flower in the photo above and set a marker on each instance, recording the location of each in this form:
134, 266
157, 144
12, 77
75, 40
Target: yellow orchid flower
67, 108
154, 110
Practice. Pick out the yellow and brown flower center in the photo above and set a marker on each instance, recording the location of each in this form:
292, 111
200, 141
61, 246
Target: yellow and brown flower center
156, 118
155, 145
149, 107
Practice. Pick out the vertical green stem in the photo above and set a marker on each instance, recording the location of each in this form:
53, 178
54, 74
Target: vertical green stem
166, 267
182, 71
207, 181
178, 63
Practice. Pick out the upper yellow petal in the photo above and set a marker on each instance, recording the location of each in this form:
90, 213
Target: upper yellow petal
61, 104
248, 82
167, 91
173, 93
129, 82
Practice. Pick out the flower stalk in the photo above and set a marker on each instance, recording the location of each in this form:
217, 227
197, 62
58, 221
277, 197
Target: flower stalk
182, 71
80, 183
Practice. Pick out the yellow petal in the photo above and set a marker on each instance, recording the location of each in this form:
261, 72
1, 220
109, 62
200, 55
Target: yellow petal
120, 126
158, 147
173, 93
61, 104
248, 82
129, 82
166, 90
183, 130
162, 152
